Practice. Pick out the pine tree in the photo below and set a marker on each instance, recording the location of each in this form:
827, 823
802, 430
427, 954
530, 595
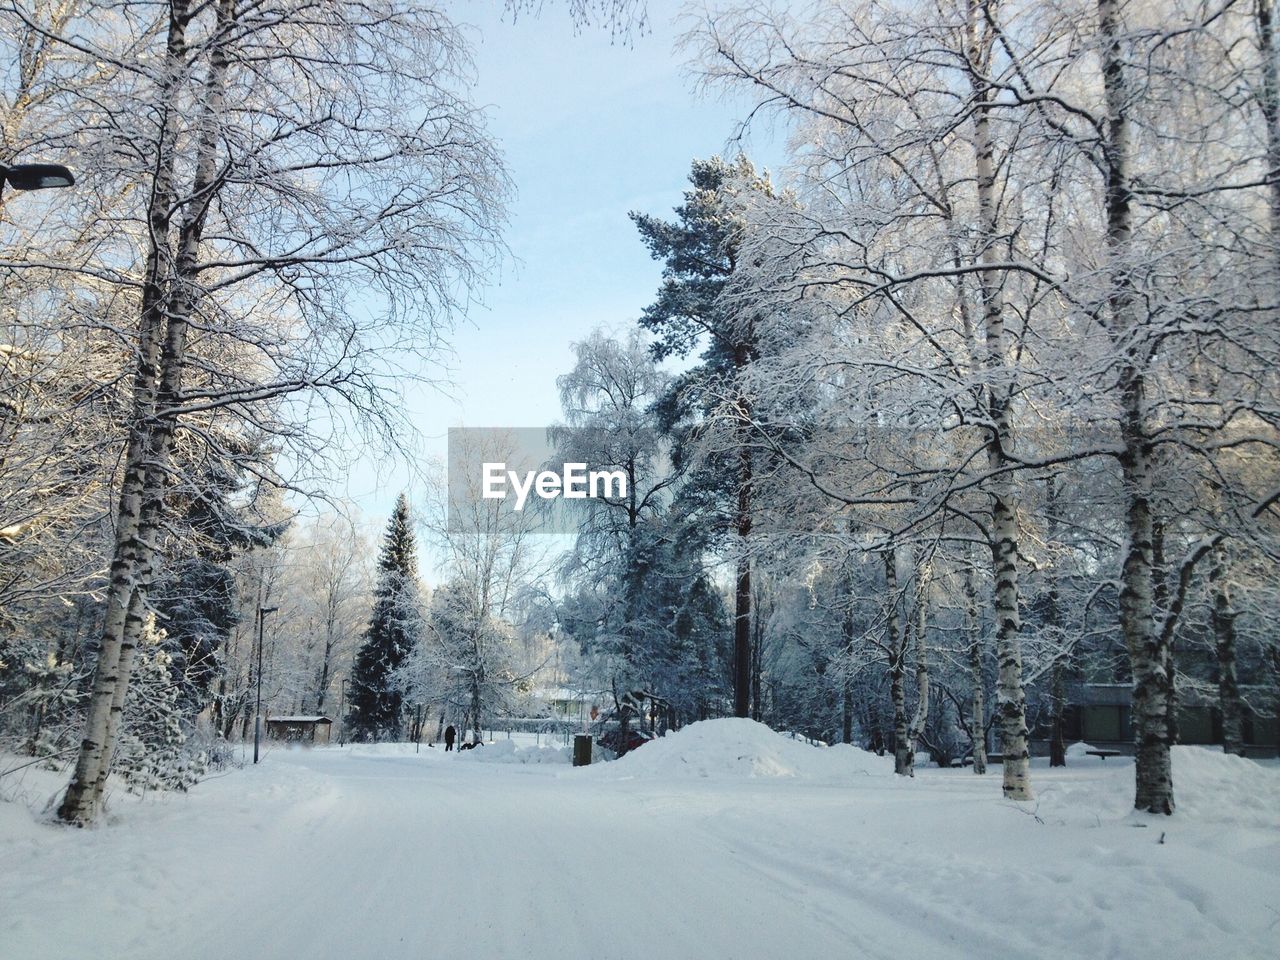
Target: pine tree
700, 254
374, 711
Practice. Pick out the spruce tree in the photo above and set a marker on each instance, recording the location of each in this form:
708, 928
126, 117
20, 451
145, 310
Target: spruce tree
154, 752
374, 698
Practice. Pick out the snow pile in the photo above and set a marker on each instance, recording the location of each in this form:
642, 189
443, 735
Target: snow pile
735, 748
399, 749
1211, 785
1080, 751
506, 751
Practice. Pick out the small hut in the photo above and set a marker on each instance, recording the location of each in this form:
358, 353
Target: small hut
309, 729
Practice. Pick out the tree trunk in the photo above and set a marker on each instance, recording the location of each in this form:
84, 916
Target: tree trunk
902, 764
1160, 595
1275, 685
476, 718
742, 597
1224, 633
326, 664
1147, 650
1058, 698
169, 297
921, 716
897, 668
1270, 59
846, 673
1010, 697
80, 804
757, 646
978, 718
1061, 649
1270, 103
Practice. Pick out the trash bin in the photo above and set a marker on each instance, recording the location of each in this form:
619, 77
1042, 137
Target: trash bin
581, 750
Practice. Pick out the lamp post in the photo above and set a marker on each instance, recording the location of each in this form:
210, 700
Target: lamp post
35, 176
257, 708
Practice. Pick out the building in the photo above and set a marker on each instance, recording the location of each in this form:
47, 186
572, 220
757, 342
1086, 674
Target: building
308, 729
566, 703
1099, 714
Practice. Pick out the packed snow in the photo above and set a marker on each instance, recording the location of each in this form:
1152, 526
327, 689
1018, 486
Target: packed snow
742, 748
724, 840
509, 751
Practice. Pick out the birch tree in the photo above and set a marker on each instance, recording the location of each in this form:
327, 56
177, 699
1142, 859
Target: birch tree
983, 209
491, 557
286, 158
908, 212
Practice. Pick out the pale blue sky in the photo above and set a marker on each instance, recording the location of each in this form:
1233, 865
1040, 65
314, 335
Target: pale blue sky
590, 130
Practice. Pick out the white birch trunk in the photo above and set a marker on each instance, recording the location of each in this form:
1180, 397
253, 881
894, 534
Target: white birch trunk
1147, 650
1010, 697
80, 805
897, 668
978, 712
166, 309
921, 715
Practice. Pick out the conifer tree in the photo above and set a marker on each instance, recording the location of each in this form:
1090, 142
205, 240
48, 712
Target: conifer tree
155, 753
699, 251
374, 711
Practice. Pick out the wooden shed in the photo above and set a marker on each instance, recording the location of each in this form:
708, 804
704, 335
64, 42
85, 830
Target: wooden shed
308, 729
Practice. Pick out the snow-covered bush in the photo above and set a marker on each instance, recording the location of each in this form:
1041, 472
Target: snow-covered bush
154, 752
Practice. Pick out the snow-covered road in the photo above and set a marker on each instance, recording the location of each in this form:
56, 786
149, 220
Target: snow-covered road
385, 854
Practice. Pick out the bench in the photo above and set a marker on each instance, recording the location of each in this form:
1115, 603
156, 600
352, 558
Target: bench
1103, 753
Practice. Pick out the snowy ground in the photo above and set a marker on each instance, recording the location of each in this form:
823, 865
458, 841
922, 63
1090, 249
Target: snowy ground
722, 842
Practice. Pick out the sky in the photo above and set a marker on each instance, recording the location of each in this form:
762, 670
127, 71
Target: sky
590, 130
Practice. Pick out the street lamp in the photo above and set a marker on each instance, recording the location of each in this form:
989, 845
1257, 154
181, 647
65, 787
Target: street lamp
35, 176
257, 709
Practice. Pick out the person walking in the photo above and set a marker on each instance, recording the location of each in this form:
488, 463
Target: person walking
450, 735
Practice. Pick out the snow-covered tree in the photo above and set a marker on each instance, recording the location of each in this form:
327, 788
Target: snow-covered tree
374, 699
700, 253
1039, 241
154, 749
276, 160
642, 605
492, 561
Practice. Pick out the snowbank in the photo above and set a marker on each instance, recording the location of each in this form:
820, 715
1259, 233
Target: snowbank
1079, 751
506, 751
1211, 785
735, 748
399, 749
